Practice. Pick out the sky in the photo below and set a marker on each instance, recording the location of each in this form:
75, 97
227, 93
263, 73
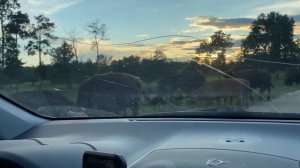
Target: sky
134, 20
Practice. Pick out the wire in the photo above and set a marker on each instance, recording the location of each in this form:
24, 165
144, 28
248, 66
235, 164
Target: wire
157, 37
133, 42
271, 62
72, 40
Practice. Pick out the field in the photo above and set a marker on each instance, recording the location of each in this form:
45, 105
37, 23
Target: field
71, 92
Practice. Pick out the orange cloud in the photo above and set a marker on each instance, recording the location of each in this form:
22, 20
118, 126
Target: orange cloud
203, 23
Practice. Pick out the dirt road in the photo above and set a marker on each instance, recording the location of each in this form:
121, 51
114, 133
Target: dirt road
288, 103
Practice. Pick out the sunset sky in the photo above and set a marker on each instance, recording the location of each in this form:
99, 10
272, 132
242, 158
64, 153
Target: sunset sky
132, 20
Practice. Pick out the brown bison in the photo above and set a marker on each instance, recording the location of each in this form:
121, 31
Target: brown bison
226, 88
175, 86
112, 92
257, 78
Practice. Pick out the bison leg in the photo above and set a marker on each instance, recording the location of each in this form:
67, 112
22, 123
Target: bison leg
225, 101
261, 92
231, 100
135, 108
219, 101
245, 100
207, 102
269, 93
251, 97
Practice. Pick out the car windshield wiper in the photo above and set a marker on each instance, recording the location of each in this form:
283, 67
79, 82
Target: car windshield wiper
222, 112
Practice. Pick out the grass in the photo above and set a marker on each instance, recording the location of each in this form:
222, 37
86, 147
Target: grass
70, 92
280, 88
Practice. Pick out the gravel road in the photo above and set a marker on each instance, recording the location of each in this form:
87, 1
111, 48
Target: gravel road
288, 103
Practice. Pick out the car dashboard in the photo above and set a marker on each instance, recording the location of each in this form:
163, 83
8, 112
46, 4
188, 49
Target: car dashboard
149, 143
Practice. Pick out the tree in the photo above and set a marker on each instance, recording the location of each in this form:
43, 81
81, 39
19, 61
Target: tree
131, 65
72, 35
271, 37
7, 8
16, 28
98, 31
204, 48
63, 54
218, 44
18, 25
13, 65
40, 37
159, 55
220, 41
220, 61
297, 48
102, 60
61, 58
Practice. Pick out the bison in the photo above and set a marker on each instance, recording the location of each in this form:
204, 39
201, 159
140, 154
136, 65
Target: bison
224, 89
175, 86
257, 78
292, 76
112, 92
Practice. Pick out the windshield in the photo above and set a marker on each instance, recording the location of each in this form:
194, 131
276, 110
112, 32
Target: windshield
96, 58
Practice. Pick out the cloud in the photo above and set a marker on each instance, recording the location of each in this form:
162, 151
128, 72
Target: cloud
297, 29
184, 42
142, 35
290, 8
48, 7
203, 23
296, 18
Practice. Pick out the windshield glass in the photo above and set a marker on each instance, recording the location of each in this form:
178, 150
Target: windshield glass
96, 58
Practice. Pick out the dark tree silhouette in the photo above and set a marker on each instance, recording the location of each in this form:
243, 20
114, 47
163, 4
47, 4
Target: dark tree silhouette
271, 38
98, 31
61, 58
159, 55
219, 42
131, 65
16, 28
40, 37
13, 64
7, 8
103, 60
72, 35
18, 25
63, 54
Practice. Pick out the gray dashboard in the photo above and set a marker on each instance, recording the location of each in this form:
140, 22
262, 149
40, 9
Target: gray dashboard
144, 142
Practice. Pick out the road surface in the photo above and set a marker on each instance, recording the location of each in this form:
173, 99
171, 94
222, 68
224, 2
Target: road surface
288, 103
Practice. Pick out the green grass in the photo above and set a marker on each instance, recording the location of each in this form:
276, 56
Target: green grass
70, 92
280, 88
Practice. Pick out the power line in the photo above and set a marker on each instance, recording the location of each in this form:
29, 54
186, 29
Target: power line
157, 37
271, 62
130, 43
71, 40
